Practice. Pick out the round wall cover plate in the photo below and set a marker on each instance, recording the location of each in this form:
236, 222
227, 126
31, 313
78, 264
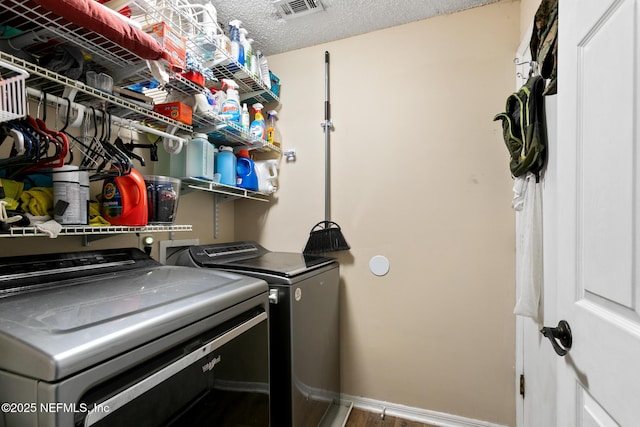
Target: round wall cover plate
379, 265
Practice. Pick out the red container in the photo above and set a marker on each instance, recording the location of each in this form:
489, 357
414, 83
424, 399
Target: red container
124, 200
195, 77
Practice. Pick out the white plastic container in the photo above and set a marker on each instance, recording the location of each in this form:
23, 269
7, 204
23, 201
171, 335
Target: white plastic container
200, 157
267, 171
66, 195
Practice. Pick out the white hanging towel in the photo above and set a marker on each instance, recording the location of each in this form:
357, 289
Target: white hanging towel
529, 269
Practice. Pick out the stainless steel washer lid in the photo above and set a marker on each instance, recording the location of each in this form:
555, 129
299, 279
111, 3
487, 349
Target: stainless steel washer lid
52, 333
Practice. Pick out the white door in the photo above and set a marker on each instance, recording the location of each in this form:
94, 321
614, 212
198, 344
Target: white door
599, 212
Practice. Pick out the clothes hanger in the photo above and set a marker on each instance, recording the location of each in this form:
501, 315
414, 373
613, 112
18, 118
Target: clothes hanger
126, 148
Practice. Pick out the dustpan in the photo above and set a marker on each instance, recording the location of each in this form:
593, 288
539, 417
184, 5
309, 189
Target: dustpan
326, 236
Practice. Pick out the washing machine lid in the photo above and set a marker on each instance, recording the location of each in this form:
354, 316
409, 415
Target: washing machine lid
75, 318
251, 257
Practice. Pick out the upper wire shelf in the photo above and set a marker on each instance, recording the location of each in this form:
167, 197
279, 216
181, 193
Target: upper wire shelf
29, 17
49, 82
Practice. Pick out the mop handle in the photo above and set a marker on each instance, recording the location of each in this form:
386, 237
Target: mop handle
326, 88
327, 129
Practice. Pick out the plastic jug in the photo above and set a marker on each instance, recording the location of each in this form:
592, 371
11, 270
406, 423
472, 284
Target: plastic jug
124, 200
226, 166
267, 171
200, 156
246, 172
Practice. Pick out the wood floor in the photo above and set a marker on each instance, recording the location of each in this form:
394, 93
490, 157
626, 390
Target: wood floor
360, 418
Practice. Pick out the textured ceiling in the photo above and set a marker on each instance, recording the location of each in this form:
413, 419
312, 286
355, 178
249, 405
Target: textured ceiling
340, 19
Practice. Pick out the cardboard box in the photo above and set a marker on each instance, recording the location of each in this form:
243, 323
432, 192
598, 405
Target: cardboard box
175, 46
176, 110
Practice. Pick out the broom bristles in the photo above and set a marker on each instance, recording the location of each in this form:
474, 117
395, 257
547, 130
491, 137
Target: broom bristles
327, 239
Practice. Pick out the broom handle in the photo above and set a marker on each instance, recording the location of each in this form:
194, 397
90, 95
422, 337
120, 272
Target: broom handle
327, 129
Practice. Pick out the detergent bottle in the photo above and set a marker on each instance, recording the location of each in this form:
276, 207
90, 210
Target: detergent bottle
246, 171
231, 106
124, 200
267, 171
273, 133
226, 166
258, 126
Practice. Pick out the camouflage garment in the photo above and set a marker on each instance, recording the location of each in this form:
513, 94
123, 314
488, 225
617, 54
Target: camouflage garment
544, 42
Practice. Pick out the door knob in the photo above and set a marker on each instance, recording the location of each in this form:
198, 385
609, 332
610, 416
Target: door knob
560, 333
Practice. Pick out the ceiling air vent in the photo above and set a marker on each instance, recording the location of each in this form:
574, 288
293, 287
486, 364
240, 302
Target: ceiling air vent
289, 9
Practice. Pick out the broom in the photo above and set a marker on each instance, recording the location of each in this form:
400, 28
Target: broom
326, 236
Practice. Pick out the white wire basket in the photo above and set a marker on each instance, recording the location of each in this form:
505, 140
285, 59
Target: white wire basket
13, 96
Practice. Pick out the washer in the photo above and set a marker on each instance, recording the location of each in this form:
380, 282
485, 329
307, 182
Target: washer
304, 325
104, 338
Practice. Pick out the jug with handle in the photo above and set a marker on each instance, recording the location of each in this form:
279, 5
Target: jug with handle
267, 171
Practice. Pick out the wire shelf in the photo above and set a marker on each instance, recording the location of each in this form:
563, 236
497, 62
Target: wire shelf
83, 230
224, 190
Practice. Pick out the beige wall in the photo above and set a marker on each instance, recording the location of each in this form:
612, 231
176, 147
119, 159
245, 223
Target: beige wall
419, 174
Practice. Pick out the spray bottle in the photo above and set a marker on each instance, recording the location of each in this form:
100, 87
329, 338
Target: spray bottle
250, 60
246, 120
263, 68
231, 106
258, 126
237, 50
219, 96
246, 48
273, 133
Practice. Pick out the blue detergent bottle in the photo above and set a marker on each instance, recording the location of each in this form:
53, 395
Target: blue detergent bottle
246, 171
226, 166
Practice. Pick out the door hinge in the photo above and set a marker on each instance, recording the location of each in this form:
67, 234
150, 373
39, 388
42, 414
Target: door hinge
522, 385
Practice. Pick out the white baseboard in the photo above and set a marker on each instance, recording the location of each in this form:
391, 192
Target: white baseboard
414, 414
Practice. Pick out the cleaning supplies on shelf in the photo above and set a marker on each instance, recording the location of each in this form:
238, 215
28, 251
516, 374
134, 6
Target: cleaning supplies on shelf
258, 126
66, 195
124, 200
231, 106
273, 133
219, 96
263, 68
224, 48
226, 164
246, 171
246, 48
267, 171
206, 41
246, 120
237, 51
250, 60
200, 157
